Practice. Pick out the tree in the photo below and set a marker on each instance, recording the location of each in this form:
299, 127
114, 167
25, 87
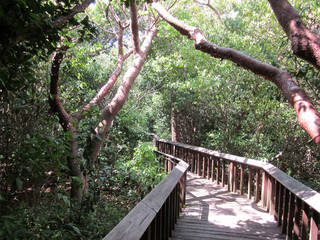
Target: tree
70, 122
306, 113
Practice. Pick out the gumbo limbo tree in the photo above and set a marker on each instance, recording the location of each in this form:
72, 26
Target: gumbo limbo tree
70, 122
304, 45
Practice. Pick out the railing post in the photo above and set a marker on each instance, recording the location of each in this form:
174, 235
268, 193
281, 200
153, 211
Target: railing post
231, 177
314, 229
212, 168
198, 163
203, 171
250, 183
280, 204
241, 178
264, 191
291, 215
285, 211
218, 172
208, 167
223, 173
235, 178
193, 162
256, 191
305, 222
272, 193
297, 219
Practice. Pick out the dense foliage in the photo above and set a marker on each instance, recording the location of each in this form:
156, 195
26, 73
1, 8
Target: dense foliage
216, 105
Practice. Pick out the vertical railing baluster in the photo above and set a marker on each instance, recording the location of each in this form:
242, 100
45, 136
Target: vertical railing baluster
272, 194
203, 171
285, 211
231, 177
213, 169
208, 166
223, 166
256, 191
218, 171
241, 178
305, 222
235, 176
291, 215
297, 219
198, 163
314, 226
250, 183
280, 204
264, 190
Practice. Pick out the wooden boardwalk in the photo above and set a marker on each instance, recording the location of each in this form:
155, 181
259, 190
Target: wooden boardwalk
214, 213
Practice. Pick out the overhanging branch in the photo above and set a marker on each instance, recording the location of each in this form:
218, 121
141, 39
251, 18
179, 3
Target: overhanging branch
304, 43
306, 113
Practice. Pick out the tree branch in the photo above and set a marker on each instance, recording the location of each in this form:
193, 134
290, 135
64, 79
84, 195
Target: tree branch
55, 102
134, 27
117, 102
66, 122
304, 43
116, 73
110, 83
211, 7
306, 113
62, 20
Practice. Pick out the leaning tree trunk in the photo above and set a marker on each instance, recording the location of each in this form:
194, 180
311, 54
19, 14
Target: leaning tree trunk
297, 97
174, 122
117, 102
66, 122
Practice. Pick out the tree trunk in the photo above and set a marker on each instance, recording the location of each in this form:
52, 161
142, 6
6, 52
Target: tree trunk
66, 123
117, 102
174, 123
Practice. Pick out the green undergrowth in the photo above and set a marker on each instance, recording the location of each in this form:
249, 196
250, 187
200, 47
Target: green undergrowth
113, 191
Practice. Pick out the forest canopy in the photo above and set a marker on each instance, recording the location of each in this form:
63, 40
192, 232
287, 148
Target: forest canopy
84, 83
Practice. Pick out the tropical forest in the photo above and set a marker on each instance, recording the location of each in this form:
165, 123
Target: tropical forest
85, 84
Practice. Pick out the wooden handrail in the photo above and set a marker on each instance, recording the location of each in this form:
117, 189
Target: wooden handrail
155, 215
295, 206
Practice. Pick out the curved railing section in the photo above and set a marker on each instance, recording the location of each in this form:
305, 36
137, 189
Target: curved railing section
154, 216
295, 206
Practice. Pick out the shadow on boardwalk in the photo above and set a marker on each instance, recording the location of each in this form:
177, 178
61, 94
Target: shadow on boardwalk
214, 213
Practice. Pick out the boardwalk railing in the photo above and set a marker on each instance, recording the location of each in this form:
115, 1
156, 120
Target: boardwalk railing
295, 206
155, 216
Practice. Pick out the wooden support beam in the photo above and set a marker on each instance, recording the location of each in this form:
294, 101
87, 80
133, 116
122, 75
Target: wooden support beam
297, 219
235, 178
305, 222
314, 226
223, 167
241, 179
256, 191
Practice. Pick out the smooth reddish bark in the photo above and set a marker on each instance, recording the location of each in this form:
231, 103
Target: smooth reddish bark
304, 43
66, 122
306, 113
121, 96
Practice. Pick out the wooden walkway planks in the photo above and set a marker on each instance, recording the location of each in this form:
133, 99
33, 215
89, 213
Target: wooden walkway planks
214, 213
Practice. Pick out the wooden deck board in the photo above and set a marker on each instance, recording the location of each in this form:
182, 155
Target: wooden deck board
214, 213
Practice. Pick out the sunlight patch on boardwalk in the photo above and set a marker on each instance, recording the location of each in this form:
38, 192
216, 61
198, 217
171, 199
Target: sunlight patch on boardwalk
214, 213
